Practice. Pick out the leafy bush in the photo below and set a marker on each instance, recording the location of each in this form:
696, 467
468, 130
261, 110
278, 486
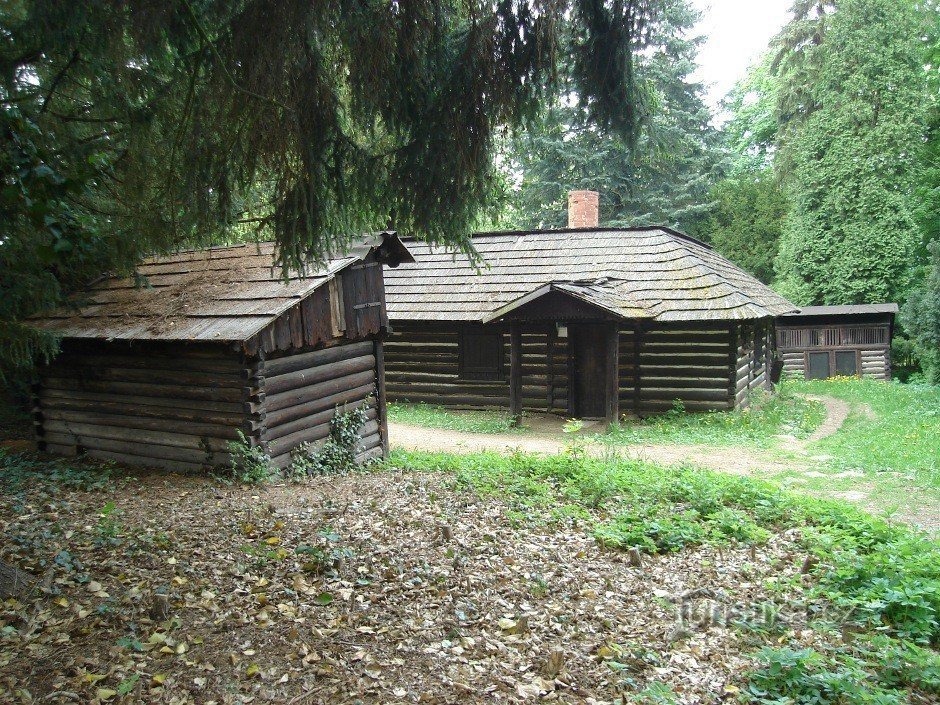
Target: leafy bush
22, 469
250, 464
337, 455
806, 677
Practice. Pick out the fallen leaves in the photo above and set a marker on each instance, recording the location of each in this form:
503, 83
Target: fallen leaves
381, 588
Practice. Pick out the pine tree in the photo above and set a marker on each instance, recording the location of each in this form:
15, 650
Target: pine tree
140, 126
664, 178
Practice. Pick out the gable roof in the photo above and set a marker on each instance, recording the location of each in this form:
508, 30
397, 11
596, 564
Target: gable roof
215, 294
648, 273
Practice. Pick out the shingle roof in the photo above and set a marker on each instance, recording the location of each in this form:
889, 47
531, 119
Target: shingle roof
852, 310
651, 273
215, 294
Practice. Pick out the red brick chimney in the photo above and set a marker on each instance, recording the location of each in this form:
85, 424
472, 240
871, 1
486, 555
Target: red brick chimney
583, 209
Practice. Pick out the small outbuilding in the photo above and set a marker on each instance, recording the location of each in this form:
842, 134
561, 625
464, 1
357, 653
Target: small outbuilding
586, 321
217, 342
819, 342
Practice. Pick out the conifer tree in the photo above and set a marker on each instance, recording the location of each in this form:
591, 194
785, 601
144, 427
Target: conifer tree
853, 114
663, 178
142, 126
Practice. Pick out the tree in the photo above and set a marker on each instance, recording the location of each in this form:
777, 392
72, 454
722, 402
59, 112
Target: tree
748, 208
141, 126
746, 219
853, 109
750, 131
664, 178
920, 317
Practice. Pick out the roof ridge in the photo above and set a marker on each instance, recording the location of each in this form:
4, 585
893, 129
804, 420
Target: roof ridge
599, 229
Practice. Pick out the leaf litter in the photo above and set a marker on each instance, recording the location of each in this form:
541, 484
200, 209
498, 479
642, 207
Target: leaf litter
371, 588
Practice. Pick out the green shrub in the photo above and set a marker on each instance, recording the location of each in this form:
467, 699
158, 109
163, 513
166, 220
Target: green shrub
337, 455
806, 677
249, 463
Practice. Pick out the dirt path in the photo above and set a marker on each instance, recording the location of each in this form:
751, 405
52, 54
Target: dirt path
797, 463
734, 460
548, 440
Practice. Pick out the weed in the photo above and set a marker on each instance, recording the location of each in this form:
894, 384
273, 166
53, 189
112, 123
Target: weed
337, 456
892, 428
250, 463
767, 416
19, 470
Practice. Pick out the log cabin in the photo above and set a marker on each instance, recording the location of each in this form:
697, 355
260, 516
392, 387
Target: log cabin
585, 321
819, 342
216, 342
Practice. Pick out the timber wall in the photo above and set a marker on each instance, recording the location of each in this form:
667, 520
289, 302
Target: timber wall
755, 352
303, 390
422, 364
698, 364
155, 404
664, 363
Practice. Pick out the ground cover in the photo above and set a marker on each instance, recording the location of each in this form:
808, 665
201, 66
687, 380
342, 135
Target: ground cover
469, 421
458, 578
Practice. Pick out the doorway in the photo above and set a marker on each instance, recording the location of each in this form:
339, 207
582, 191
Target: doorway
588, 369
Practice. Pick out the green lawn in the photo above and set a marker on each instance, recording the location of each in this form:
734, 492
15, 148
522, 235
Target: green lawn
431, 416
893, 428
872, 589
758, 426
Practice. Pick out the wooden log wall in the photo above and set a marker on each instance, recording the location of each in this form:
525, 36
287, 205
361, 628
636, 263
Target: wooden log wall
422, 365
148, 403
755, 343
303, 390
662, 363
876, 363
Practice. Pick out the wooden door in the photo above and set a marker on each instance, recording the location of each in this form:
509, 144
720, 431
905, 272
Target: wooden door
846, 363
588, 374
817, 365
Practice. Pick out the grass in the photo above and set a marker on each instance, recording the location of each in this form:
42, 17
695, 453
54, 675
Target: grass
893, 428
767, 416
431, 416
881, 579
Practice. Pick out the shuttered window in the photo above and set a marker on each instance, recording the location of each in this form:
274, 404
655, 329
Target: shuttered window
481, 354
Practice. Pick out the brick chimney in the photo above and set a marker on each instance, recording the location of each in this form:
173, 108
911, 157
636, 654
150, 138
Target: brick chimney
583, 209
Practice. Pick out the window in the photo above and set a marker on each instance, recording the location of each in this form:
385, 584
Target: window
481, 354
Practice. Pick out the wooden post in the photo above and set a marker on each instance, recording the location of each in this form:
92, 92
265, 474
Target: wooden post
515, 370
637, 382
613, 374
380, 401
550, 361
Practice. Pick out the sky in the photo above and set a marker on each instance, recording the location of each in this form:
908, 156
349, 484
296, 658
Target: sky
736, 32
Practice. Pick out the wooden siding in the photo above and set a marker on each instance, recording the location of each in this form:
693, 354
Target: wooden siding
154, 404
702, 365
303, 390
755, 347
352, 306
685, 362
422, 365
